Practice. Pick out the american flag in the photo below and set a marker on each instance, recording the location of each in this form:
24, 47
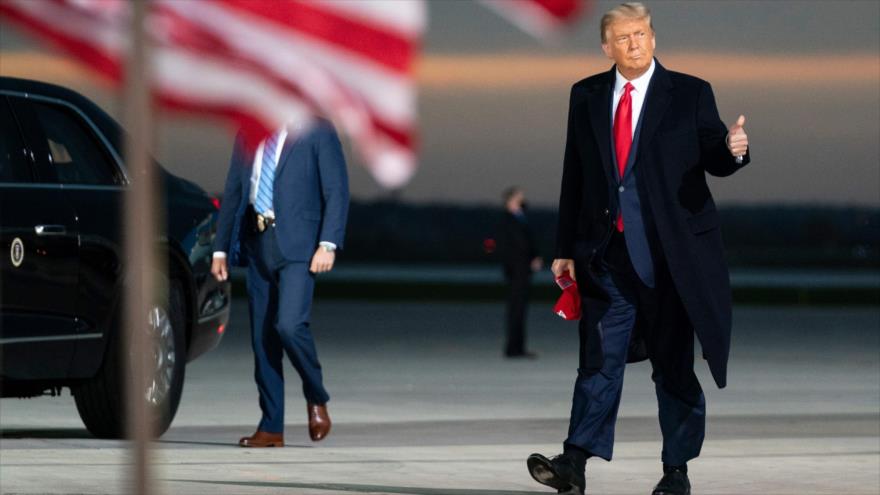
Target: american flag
540, 18
267, 63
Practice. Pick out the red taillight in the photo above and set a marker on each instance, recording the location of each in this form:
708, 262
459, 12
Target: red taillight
216, 202
489, 245
221, 329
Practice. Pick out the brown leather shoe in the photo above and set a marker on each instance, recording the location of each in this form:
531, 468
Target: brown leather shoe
262, 439
319, 421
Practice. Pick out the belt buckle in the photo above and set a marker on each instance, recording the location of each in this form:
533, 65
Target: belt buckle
261, 223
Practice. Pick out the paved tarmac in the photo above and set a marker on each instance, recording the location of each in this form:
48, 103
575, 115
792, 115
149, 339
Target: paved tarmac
424, 404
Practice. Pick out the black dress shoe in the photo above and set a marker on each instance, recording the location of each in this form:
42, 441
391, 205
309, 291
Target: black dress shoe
674, 482
559, 472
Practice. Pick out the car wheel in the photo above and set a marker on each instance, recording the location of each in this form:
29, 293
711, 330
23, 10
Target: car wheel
101, 399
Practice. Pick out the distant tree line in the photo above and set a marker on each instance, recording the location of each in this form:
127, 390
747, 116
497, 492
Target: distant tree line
759, 236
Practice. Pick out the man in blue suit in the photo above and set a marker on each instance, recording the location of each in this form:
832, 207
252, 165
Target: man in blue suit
639, 228
283, 216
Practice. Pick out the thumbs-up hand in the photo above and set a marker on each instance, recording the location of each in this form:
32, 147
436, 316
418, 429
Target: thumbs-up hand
737, 140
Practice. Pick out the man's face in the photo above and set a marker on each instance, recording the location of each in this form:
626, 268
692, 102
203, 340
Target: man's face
630, 43
516, 201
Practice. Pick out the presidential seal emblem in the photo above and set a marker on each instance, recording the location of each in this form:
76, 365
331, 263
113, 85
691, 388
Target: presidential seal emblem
16, 252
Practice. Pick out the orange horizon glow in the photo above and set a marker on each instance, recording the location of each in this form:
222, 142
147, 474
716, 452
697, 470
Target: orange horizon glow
525, 71
528, 71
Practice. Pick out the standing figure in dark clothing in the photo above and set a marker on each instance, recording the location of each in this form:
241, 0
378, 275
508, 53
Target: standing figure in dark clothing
520, 257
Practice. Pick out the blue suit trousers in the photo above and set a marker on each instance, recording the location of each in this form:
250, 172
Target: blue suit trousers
280, 301
680, 400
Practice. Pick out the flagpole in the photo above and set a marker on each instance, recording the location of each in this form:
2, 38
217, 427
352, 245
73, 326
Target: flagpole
140, 222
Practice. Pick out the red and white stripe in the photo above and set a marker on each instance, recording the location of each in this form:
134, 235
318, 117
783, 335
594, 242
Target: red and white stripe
263, 64
540, 18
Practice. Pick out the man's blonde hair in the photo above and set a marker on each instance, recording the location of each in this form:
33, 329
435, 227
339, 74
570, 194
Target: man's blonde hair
627, 10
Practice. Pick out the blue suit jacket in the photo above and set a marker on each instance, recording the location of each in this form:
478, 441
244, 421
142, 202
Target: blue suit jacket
310, 195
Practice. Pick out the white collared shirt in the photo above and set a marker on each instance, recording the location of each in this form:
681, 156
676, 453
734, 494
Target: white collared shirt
640, 88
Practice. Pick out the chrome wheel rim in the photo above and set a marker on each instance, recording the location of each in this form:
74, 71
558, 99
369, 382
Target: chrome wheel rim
163, 356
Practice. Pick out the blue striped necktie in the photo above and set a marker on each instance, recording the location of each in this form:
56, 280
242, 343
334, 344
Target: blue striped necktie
263, 202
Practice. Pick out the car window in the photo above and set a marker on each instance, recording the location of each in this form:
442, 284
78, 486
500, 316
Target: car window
14, 166
74, 153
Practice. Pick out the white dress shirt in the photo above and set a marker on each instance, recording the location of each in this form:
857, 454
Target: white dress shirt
640, 88
255, 183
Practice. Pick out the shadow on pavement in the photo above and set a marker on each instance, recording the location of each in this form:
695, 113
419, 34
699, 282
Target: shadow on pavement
346, 487
47, 433
536, 431
224, 444
191, 442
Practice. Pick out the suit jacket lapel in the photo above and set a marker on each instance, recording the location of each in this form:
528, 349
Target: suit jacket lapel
289, 143
637, 136
247, 170
599, 100
656, 102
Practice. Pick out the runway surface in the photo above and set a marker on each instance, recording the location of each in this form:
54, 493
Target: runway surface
424, 404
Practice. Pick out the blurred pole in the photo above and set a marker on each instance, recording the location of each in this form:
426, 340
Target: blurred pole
140, 222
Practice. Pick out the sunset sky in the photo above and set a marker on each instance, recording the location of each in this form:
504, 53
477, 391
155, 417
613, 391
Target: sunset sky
493, 100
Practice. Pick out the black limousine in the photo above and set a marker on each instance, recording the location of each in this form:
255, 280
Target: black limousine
62, 185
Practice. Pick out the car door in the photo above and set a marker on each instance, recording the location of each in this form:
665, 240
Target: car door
83, 164
38, 273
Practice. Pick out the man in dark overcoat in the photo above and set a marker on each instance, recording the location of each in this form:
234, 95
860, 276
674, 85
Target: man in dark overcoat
639, 228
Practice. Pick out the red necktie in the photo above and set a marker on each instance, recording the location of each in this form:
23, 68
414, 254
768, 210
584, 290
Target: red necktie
623, 136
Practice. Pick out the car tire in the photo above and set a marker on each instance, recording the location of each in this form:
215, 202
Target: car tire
101, 399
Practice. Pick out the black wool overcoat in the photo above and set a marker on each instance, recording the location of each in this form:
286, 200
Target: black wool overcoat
682, 139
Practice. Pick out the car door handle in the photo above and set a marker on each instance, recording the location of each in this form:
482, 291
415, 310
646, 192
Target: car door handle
50, 229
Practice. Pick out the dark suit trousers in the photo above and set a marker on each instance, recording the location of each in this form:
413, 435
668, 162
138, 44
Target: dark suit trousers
280, 300
519, 280
680, 400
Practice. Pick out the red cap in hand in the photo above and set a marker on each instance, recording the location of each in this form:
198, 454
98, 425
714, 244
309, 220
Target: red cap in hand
569, 304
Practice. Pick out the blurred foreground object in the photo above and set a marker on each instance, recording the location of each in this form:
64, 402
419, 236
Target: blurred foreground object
261, 64
264, 64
